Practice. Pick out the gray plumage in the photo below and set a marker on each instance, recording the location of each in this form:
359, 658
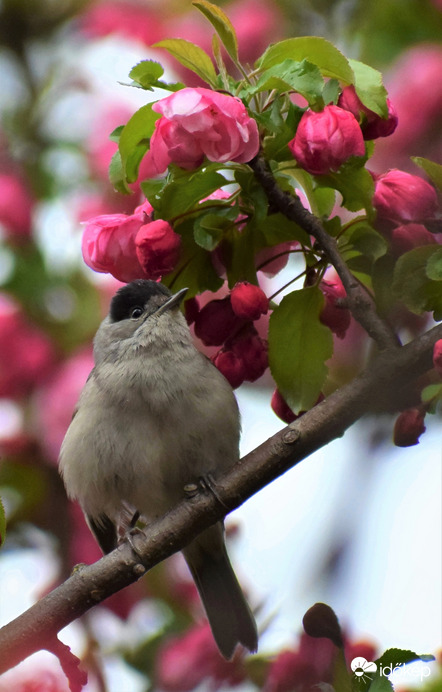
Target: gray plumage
154, 416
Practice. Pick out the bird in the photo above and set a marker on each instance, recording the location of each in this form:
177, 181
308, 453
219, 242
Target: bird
155, 417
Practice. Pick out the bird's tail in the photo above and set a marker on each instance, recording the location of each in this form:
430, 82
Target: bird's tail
229, 615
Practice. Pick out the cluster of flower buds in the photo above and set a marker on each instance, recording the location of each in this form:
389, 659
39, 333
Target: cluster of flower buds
372, 124
228, 322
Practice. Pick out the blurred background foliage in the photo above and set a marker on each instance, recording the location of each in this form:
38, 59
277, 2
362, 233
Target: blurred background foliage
56, 114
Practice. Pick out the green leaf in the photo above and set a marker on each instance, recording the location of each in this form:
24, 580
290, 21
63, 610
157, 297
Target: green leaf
434, 266
277, 228
382, 280
183, 193
331, 92
432, 169
116, 174
195, 269
381, 684
317, 50
222, 25
191, 56
293, 75
355, 184
146, 73
2, 523
209, 230
364, 239
412, 285
369, 87
115, 134
134, 140
299, 345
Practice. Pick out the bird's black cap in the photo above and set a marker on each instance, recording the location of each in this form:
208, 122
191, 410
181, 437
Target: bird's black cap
135, 294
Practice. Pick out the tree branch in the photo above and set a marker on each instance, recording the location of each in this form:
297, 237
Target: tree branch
360, 301
373, 390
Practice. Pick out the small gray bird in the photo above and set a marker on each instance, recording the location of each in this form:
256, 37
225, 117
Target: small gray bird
154, 416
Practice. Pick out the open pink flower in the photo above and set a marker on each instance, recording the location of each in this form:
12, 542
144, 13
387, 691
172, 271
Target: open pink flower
200, 123
324, 140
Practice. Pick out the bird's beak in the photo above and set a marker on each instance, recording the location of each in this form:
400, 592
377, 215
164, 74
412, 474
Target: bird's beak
173, 302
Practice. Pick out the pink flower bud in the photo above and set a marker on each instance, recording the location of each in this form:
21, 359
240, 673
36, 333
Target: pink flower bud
216, 321
281, 407
198, 123
334, 316
372, 125
408, 427
437, 356
158, 248
408, 236
230, 366
248, 301
323, 141
401, 196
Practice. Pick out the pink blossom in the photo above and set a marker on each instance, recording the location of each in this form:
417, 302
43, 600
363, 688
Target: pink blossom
303, 669
248, 301
129, 19
372, 124
325, 140
158, 248
27, 355
185, 662
408, 236
37, 673
401, 196
16, 205
252, 351
199, 123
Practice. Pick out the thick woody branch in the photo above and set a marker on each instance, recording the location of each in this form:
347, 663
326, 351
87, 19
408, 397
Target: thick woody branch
373, 390
361, 303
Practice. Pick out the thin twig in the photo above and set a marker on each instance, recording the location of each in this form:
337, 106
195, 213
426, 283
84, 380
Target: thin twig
360, 301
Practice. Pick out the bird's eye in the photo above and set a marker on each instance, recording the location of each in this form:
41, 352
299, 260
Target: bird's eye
136, 312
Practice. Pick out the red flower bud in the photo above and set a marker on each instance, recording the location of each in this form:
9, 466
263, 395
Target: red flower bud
408, 236
334, 316
409, 427
281, 407
248, 301
216, 321
157, 248
230, 366
252, 351
437, 356
372, 124
323, 141
400, 197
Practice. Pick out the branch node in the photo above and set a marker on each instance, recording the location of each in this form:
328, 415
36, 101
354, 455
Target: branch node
291, 436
